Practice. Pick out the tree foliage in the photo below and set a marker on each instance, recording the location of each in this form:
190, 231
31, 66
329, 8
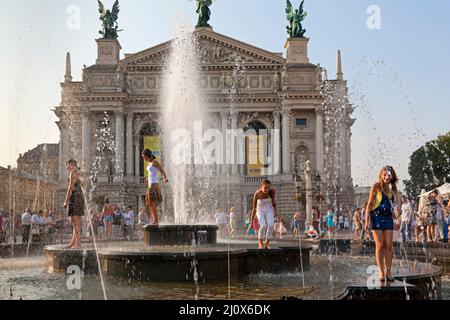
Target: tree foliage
429, 166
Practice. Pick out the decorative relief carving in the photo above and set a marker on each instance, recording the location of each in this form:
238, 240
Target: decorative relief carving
209, 51
212, 52
143, 83
302, 78
138, 83
204, 82
276, 81
103, 80
151, 83
226, 81
106, 51
214, 82
266, 82
245, 117
254, 82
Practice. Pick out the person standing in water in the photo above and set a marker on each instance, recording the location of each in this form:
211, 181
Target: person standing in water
107, 218
264, 208
331, 224
380, 214
154, 195
75, 202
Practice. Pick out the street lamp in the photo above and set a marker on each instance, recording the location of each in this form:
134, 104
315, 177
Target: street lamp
320, 198
300, 195
318, 180
299, 187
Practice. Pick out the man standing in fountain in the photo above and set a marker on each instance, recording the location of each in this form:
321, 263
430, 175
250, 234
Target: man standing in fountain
75, 202
264, 207
154, 191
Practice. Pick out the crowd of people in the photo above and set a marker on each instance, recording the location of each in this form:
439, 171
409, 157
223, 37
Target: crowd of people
37, 226
429, 221
49, 227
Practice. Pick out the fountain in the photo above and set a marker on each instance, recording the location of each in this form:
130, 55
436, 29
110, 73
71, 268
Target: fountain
182, 251
173, 257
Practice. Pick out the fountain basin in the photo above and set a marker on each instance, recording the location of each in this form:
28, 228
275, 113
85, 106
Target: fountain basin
182, 263
417, 280
180, 235
421, 283
21, 250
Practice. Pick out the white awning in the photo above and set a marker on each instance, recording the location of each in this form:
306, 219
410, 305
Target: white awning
443, 190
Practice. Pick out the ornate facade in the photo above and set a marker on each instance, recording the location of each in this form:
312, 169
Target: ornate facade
20, 190
274, 92
42, 161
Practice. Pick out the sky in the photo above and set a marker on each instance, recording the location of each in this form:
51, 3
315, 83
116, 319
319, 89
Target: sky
398, 74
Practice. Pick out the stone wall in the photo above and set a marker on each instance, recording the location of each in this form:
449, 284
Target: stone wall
19, 190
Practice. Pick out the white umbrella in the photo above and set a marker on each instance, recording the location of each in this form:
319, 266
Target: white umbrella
443, 190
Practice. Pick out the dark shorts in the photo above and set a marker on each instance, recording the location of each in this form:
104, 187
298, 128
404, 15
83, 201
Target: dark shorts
382, 222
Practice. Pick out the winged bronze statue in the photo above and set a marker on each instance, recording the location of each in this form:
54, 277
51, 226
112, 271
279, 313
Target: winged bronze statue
295, 18
204, 13
109, 19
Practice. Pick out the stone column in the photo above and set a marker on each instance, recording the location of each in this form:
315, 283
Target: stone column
137, 159
61, 153
319, 139
224, 118
349, 153
343, 153
276, 144
129, 144
119, 143
286, 135
309, 198
85, 143
140, 203
235, 145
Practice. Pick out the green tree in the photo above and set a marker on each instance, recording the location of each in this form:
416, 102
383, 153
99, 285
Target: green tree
429, 166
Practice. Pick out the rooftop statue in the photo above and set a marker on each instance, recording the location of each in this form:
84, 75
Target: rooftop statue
295, 18
204, 13
109, 20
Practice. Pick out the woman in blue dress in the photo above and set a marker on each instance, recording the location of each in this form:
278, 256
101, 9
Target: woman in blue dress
380, 215
330, 221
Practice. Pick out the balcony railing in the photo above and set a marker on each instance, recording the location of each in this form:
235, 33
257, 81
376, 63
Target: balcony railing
253, 180
249, 180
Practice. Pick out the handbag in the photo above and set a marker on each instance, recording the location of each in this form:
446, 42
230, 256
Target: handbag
35, 231
396, 225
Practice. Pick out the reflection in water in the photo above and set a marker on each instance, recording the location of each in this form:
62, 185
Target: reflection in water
30, 281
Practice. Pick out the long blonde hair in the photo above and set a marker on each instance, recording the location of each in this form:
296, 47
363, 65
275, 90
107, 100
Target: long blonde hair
394, 179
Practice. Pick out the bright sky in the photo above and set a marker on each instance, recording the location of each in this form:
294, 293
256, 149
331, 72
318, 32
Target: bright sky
397, 75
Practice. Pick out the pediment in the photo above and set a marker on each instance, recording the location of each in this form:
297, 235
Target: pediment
214, 50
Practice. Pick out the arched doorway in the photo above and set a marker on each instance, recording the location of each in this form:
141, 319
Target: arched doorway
256, 149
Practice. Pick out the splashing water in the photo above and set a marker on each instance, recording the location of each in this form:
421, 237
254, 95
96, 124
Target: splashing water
184, 116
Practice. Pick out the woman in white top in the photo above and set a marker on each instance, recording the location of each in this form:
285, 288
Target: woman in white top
264, 207
154, 191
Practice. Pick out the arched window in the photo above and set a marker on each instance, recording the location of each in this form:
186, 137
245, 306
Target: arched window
149, 138
256, 148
